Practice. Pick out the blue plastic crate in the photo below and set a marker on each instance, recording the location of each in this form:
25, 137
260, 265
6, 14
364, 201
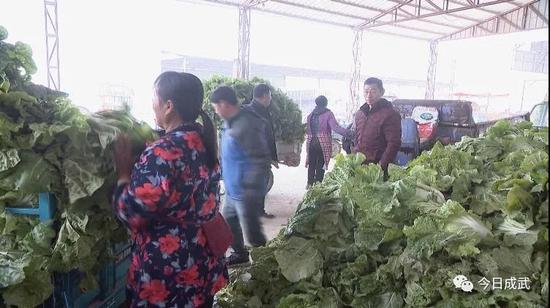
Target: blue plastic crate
68, 292
123, 259
114, 271
114, 280
110, 279
114, 299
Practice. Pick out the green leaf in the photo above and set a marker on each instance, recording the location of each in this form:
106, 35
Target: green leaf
513, 262
516, 233
12, 267
298, 259
8, 159
32, 292
518, 199
81, 179
33, 174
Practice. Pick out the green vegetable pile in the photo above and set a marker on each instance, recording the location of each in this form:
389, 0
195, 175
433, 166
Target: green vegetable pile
478, 208
287, 117
48, 145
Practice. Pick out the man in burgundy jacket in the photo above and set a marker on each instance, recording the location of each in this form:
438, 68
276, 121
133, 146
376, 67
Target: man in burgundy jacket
377, 127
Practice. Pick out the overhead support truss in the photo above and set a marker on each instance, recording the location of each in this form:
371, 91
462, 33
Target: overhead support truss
420, 11
533, 15
419, 19
52, 44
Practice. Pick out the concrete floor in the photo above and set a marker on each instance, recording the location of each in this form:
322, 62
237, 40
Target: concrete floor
287, 192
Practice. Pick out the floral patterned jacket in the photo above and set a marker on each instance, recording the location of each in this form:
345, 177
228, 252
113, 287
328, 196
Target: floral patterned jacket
171, 192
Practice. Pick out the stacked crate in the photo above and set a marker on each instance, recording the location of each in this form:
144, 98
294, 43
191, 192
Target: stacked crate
67, 293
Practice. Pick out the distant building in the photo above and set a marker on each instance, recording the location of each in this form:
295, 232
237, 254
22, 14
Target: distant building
116, 97
533, 60
301, 84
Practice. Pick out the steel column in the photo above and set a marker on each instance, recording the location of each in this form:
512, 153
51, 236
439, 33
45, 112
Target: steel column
243, 60
430, 84
355, 81
52, 44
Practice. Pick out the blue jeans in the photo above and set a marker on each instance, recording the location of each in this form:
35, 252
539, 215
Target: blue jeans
244, 215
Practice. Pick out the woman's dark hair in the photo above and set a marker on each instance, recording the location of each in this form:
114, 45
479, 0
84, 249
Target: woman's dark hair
186, 92
321, 101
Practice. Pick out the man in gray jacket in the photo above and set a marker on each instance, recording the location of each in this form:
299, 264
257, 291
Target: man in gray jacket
260, 106
245, 158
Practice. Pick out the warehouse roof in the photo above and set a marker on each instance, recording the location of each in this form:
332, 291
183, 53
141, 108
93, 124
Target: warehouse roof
419, 19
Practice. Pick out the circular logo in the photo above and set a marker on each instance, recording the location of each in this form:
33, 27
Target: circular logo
467, 286
426, 116
458, 280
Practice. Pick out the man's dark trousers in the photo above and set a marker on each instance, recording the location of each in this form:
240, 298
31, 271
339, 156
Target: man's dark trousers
245, 213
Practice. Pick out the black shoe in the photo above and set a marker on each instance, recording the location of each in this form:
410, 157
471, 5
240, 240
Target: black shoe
236, 260
268, 215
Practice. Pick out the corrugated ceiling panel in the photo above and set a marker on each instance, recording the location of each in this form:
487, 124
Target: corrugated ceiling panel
406, 32
355, 12
311, 13
334, 6
383, 4
487, 12
447, 19
429, 26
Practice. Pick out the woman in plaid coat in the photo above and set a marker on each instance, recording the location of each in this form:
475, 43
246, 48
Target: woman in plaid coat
320, 124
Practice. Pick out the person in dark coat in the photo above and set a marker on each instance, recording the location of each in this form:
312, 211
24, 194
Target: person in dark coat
377, 127
260, 106
245, 165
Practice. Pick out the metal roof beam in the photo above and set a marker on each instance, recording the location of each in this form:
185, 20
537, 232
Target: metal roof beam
419, 30
252, 3
324, 21
472, 2
357, 16
420, 16
506, 20
392, 10
362, 6
297, 16
228, 3
403, 13
318, 9
538, 13
429, 21
434, 5
429, 9
470, 32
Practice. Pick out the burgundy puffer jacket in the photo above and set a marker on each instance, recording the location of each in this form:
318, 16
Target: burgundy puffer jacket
377, 133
